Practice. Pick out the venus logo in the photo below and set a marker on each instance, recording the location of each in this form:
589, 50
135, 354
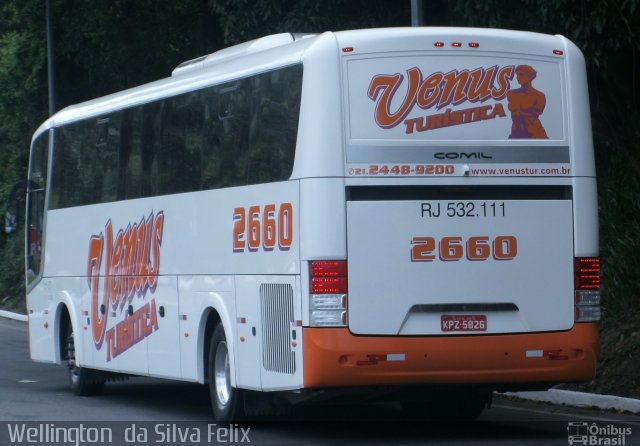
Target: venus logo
440, 90
132, 264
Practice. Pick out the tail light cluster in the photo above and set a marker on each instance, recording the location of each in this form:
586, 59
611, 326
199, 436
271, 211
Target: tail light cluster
328, 293
587, 286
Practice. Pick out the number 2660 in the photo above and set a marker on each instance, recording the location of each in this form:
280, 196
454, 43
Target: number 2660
451, 249
263, 227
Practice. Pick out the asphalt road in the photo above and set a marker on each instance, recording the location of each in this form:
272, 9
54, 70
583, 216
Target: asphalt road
36, 407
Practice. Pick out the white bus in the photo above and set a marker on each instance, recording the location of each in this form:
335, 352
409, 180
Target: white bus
404, 211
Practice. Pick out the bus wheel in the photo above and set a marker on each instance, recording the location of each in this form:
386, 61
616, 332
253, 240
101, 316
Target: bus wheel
227, 401
84, 382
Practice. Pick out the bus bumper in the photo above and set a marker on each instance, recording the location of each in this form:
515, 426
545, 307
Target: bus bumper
333, 357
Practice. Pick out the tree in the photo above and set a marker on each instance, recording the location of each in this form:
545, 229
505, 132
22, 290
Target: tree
243, 20
22, 107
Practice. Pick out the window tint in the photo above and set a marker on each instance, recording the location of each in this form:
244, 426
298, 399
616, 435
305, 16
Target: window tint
238, 133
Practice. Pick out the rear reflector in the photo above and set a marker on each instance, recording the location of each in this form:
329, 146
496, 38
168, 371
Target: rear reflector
587, 297
329, 302
556, 355
588, 314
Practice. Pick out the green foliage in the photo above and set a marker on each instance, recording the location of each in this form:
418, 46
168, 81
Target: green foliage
12, 272
619, 240
103, 47
23, 97
243, 20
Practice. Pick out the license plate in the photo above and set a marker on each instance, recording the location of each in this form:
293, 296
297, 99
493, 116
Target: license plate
476, 322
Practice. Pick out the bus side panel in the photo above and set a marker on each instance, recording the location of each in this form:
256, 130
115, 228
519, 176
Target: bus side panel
69, 295
47, 302
127, 257
248, 334
319, 151
163, 312
585, 209
200, 295
84, 326
322, 219
269, 346
41, 343
579, 116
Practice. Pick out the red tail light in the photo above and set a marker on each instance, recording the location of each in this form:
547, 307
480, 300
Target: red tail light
328, 285
587, 293
587, 273
328, 277
328, 300
329, 268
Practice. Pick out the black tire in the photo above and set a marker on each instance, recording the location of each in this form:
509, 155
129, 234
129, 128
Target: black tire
261, 406
227, 401
84, 382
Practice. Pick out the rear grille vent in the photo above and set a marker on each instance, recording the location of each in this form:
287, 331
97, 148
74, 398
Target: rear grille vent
276, 306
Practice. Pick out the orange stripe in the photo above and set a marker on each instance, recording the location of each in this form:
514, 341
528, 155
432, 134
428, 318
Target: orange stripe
334, 357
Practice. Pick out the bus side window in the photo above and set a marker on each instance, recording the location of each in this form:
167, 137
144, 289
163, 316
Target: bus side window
211, 132
179, 143
104, 164
36, 187
275, 111
233, 128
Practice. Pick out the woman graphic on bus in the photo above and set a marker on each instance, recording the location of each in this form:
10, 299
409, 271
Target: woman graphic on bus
526, 104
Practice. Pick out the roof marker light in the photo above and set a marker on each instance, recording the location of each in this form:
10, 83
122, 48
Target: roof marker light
348, 49
438, 44
558, 52
474, 44
456, 44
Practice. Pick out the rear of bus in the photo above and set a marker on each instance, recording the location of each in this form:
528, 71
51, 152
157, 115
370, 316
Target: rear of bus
471, 215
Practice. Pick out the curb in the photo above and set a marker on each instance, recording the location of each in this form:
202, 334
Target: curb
580, 399
14, 316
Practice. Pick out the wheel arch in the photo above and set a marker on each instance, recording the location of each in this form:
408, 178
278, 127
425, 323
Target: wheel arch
65, 315
210, 318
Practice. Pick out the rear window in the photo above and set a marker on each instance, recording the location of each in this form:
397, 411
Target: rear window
447, 98
423, 115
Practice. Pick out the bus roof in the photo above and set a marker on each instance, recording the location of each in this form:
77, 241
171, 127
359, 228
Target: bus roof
285, 49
